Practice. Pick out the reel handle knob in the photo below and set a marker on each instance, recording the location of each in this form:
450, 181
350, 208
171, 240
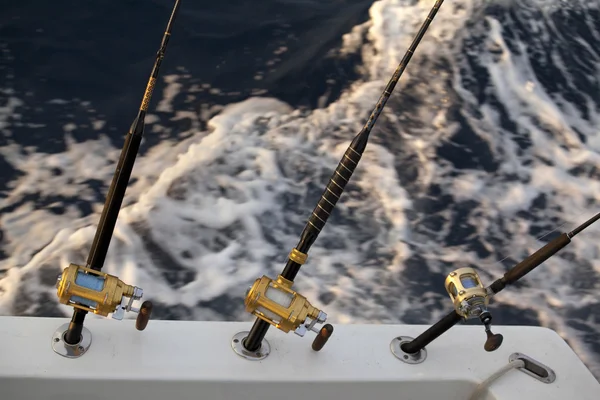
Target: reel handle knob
143, 316
322, 337
493, 341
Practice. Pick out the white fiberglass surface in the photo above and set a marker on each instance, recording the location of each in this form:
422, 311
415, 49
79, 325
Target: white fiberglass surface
184, 360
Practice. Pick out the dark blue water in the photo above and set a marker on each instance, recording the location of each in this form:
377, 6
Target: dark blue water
102, 51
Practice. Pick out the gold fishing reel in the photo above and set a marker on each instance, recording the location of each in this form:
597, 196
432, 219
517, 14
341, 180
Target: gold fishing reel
101, 294
468, 295
275, 302
470, 299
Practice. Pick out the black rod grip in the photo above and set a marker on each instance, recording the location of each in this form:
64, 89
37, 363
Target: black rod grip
73, 333
334, 188
537, 258
114, 198
254, 339
432, 333
332, 193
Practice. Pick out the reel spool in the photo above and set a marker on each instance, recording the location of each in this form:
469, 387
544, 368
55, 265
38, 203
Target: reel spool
101, 294
470, 299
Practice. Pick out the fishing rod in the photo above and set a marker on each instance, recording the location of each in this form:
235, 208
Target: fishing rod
470, 298
298, 310
86, 288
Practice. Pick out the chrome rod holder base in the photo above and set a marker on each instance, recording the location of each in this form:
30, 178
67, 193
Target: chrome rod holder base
416, 358
70, 350
238, 346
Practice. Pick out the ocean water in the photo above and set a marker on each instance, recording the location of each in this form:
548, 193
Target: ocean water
488, 148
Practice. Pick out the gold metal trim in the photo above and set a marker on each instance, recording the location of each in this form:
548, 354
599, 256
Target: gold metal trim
297, 256
107, 299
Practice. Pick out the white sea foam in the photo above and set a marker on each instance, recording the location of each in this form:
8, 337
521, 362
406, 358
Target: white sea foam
227, 204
